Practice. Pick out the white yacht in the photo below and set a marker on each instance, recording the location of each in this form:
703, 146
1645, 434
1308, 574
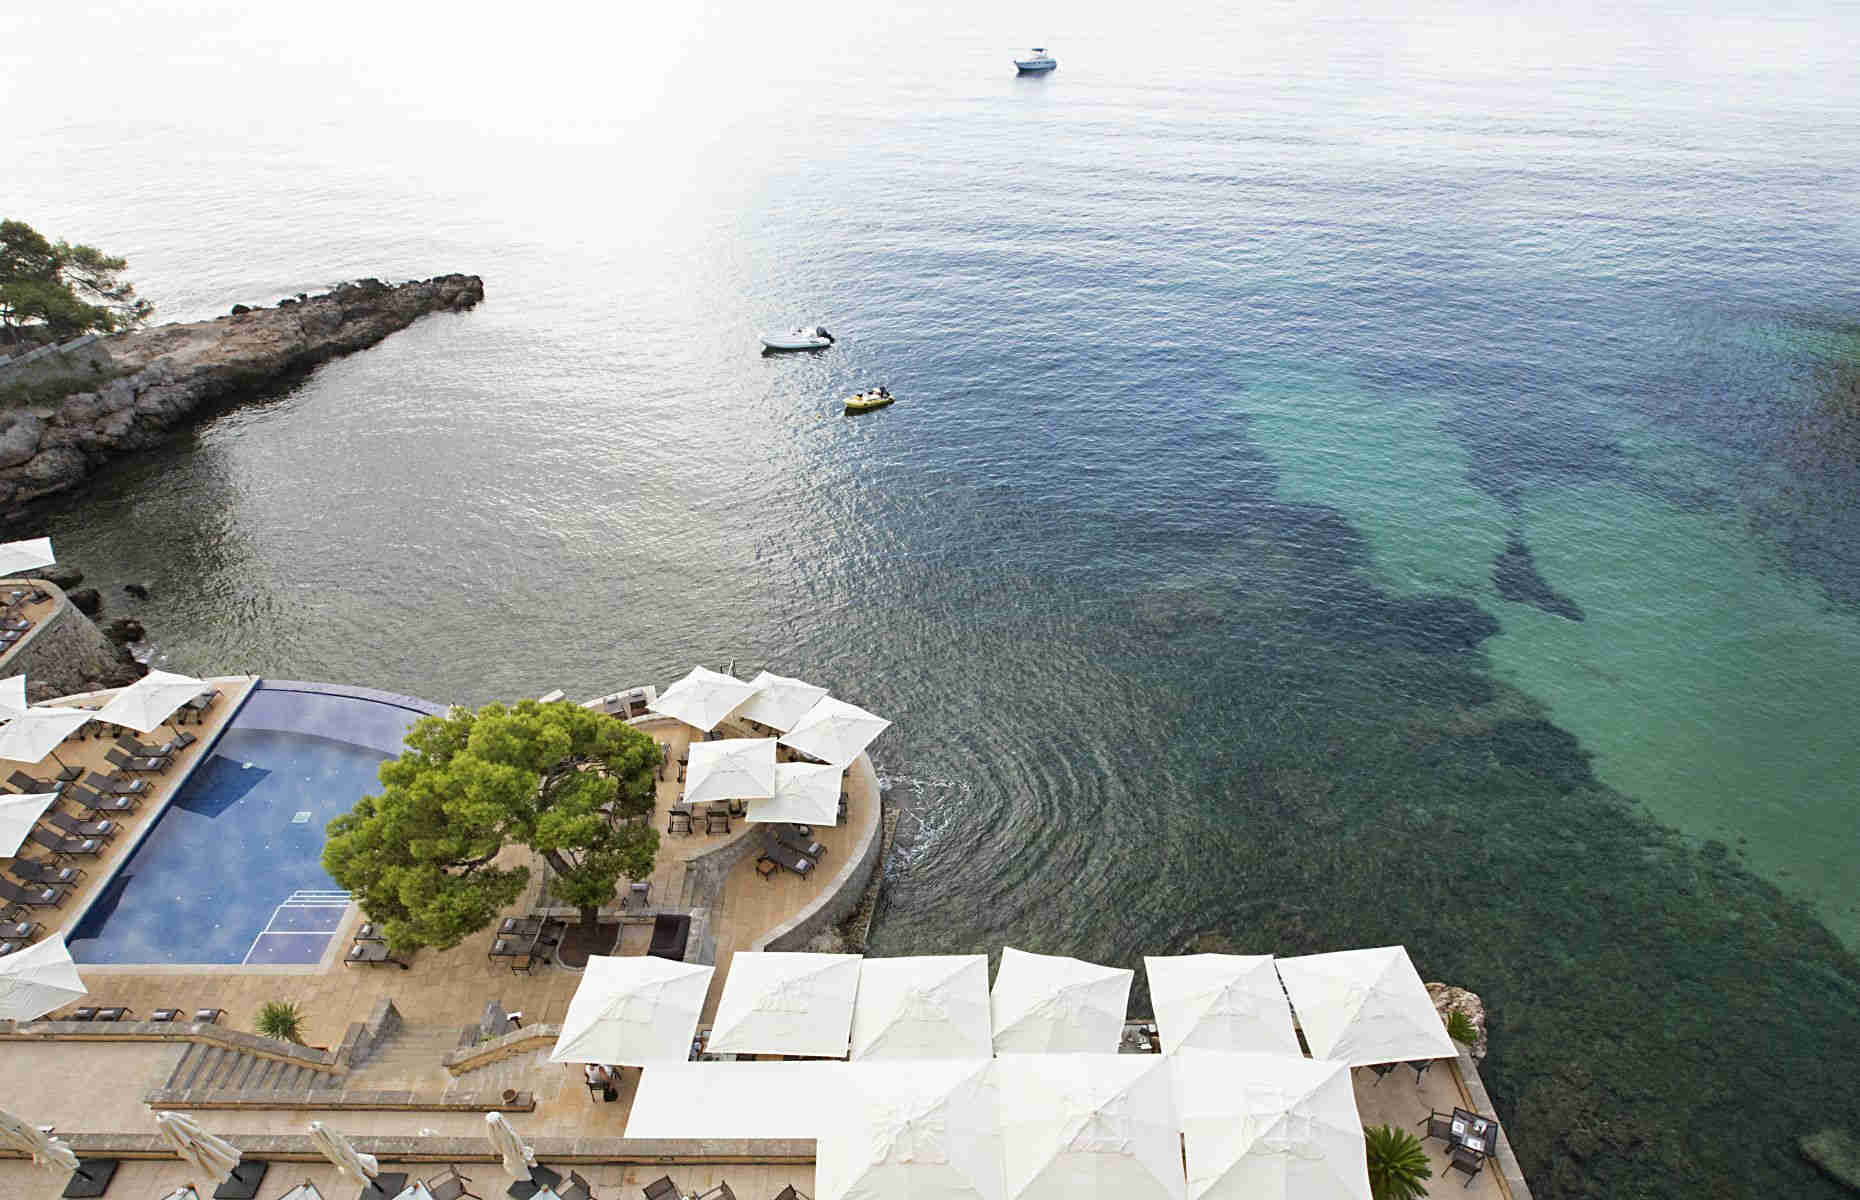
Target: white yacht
1037, 62
805, 338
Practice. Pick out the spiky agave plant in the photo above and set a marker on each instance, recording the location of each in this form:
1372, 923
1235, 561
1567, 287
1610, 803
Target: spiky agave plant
282, 1020
1398, 1167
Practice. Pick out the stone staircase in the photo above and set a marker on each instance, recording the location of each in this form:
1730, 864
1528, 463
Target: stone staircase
205, 1068
521, 1072
412, 1059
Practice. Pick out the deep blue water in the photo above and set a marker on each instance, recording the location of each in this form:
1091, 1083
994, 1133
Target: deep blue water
210, 882
1353, 463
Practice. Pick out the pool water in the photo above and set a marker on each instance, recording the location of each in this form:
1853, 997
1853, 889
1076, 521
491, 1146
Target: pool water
232, 871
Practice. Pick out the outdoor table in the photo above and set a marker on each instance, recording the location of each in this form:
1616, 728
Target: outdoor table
1474, 1132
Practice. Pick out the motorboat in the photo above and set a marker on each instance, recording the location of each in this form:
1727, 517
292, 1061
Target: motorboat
1037, 62
808, 337
862, 402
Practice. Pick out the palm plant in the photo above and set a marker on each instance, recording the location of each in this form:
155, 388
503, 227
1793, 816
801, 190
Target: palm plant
1398, 1167
1460, 1027
282, 1020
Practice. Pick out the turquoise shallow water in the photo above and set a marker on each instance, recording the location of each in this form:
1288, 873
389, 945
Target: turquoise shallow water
1361, 474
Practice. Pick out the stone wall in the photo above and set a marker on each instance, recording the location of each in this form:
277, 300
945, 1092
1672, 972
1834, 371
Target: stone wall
845, 890
65, 653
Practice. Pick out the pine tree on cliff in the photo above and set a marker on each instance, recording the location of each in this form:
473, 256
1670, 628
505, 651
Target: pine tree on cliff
64, 289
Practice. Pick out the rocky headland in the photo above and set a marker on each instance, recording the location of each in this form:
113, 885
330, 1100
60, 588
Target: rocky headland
159, 378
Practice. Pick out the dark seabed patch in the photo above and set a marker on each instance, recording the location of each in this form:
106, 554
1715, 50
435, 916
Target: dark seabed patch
1515, 575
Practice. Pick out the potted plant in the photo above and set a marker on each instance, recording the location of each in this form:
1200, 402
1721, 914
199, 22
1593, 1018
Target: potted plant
1398, 1167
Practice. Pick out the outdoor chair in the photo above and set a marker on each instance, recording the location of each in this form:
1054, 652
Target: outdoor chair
9, 636
716, 822
804, 846
124, 762
110, 785
791, 1193
128, 744
1382, 1071
33, 897
679, 821
94, 803
575, 1189
115, 1013
1420, 1066
77, 827
45, 874
449, 1185
790, 859
28, 785
1465, 1160
370, 954
1439, 1125
58, 844
638, 897
662, 1188
720, 1192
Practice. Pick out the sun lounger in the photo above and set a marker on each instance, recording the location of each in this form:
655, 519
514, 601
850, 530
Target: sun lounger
805, 847
15, 624
29, 786
575, 1189
21, 931
91, 801
790, 859
662, 1188
33, 897
45, 874
124, 762
128, 744
370, 954
57, 818
58, 843
109, 785
198, 705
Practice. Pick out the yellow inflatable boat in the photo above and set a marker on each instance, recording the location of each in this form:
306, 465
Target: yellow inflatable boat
867, 401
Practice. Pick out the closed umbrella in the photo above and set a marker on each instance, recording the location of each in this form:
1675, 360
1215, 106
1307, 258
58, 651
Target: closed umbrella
730, 769
633, 1011
38, 979
519, 1159
18, 814
213, 1156
834, 731
779, 701
150, 700
806, 793
44, 1150
16, 558
354, 1165
12, 696
702, 698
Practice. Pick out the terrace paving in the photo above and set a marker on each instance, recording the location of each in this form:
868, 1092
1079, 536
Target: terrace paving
1402, 1102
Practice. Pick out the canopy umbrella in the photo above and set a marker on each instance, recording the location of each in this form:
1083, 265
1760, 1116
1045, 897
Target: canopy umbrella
926, 1006
922, 1130
44, 1149
730, 769
1090, 1126
1221, 1002
519, 1159
1269, 1127
702, 698
31, 735
1045, 1003
213, 1156
834, 731
150, 700
779, 701
738, 1099
38, 979
16, 558
805, 792
1365, 1006
18, 814
786, 1004
12, 696
355, 1166
633, 1011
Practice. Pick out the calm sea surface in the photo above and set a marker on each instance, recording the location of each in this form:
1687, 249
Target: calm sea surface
1363, 473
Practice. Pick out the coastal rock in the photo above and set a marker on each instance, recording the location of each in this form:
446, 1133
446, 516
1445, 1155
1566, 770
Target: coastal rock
239, 310
168, 373
136, 591
65, 577
1457, 999
1837, 1155
19, 438
88, 601
124, 630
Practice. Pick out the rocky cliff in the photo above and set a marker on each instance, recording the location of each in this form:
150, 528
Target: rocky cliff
166, 374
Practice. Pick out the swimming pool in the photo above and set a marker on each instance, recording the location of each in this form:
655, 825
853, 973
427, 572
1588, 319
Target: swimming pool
231, 872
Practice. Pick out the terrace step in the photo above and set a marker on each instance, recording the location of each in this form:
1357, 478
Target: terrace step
204, 1069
